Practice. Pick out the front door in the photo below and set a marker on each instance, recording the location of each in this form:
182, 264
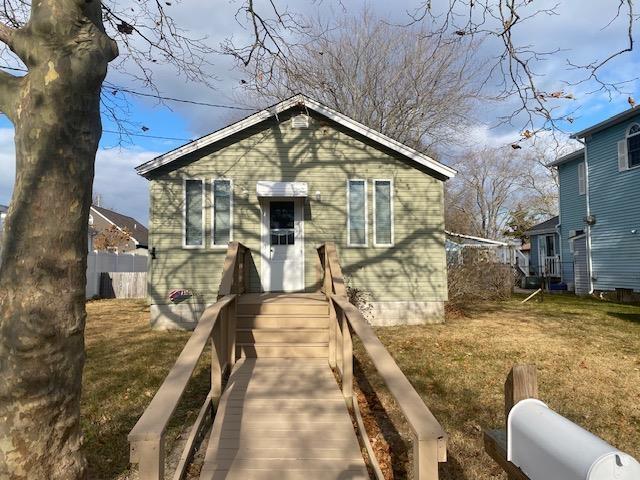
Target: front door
283, 245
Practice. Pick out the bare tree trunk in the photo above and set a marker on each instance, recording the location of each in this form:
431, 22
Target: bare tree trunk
56, 112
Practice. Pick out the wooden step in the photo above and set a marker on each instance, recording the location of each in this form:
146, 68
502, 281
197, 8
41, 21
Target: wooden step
295, 304
292, 309
282, 321
283, 335
283, 350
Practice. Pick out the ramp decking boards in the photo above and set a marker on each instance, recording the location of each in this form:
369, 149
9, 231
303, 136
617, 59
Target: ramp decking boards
282, 418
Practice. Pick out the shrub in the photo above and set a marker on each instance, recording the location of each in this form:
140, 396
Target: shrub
478, 279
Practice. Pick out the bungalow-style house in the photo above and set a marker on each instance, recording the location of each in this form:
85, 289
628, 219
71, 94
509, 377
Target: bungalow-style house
282, 182
544, 253
599, 228
115, 232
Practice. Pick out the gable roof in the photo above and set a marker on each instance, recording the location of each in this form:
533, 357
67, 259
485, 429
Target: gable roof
567, 158
420, 159
137, 230
548, 226
620, 117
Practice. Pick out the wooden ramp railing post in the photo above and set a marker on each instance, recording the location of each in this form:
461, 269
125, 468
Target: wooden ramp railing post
347, 360
333, 320
425, 459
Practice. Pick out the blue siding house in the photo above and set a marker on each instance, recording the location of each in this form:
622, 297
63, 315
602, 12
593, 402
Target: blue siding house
599, 224
544, 257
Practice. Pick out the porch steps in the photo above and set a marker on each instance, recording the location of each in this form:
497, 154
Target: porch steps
282, 325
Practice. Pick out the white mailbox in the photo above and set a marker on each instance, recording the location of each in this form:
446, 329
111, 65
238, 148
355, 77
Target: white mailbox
547, 446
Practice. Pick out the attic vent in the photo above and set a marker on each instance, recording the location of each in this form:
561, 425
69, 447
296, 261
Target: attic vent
300, 121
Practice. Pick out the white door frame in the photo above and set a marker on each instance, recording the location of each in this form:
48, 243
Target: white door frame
265, 239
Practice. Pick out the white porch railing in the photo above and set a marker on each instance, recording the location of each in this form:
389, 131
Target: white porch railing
552, 267
521, 261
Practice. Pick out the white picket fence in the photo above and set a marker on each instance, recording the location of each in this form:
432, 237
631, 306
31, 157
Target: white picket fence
98, 262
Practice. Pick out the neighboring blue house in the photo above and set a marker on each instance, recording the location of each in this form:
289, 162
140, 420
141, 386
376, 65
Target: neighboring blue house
599, 221
544, 256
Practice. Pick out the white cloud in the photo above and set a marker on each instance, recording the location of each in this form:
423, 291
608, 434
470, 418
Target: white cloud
115, 178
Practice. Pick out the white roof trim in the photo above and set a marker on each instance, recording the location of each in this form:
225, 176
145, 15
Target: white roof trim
478, 239
281, 189
419, 158
117, 226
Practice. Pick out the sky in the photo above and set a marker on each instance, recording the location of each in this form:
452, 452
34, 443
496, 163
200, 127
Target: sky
578, 30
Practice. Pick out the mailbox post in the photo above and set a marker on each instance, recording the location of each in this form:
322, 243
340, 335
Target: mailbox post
540, 444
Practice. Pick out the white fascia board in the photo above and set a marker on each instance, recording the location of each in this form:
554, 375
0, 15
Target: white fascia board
115, 225
417, 157
479, 239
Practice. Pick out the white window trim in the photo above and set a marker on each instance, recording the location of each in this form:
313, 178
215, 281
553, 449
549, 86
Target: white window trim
582, 186
626, 142
366, 216
213, 212
391, 200
184, 214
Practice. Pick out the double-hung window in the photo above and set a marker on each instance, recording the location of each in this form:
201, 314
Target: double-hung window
357, 213
382, 213
193, 221
633, 145
582, 178
222, 215
629, 149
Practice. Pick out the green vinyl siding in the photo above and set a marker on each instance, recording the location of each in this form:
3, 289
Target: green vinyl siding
324, 156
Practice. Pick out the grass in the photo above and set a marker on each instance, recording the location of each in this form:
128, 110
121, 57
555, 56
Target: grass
588, 357
126, 363
587, 353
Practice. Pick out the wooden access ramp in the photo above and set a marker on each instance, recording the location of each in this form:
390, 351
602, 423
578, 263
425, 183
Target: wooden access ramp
282, 419
287, 409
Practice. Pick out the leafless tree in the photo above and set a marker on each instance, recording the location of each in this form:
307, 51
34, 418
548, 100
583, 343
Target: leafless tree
60, 50
491, 183
517, 64
399, 81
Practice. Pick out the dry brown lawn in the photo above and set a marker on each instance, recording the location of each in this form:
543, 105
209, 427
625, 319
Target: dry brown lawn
587, 353
126, 363
588, 357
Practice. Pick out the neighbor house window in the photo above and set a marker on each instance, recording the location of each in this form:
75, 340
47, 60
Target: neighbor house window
222, 212
629, 149
633, 145
193, 213
357, 213
382, 212
582, 178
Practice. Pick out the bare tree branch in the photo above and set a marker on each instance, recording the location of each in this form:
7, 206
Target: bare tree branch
515, 65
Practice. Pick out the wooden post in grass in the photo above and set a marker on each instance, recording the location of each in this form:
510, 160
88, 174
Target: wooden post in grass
521, 383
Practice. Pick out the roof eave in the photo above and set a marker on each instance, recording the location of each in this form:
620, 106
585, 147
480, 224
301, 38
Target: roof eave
419, 158
569, 157
620, 117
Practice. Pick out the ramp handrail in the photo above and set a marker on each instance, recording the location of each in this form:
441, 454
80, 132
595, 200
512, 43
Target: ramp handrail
216, 325
429, 443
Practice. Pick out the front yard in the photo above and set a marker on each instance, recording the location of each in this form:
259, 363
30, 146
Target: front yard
587, 353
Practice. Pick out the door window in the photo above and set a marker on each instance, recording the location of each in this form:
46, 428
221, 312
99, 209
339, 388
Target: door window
550, 244
281, 223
